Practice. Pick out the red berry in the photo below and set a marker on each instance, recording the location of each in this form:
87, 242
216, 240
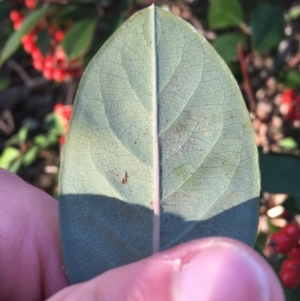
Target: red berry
29, 46
295, 252
30, 3
37, 54
281, 242
48, 73
62, 140
291, 264
58, 75
64, 111
58, 108
38, 64
288, 96
49, 62
15, 16
67, 112
28, 38
59, 35
60, 54
292, 229
289, 278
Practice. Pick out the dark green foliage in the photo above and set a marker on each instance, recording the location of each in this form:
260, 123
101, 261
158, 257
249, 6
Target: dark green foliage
267, 26
222, 14
226, 45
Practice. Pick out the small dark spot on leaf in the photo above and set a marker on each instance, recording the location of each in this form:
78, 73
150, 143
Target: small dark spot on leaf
124, 179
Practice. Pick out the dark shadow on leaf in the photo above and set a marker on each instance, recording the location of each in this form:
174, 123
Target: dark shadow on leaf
100, 232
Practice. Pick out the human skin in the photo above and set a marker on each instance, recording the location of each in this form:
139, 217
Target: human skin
31, 264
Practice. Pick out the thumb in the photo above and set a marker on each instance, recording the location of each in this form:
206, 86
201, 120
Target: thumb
210, 269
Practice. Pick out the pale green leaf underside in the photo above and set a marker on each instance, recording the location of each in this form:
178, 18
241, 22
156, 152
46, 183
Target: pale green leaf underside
209, 179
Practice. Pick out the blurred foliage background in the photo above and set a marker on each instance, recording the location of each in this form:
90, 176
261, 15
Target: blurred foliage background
46, 45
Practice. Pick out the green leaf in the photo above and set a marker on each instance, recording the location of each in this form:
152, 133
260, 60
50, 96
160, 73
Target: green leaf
16, 165
4, 82
160, 134
41, 141
267, 26
9, 155
288, 143
292, 204
292, 14
222, 14
67, 12
279, 173
44, 40
79, 38
28, 24
290, 79
22, 134
261, 241
226, 45
31, 155
53, 124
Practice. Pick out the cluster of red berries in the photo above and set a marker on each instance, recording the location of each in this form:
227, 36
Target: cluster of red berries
291, 104
64, 112
55, 64
286, 241
31, 4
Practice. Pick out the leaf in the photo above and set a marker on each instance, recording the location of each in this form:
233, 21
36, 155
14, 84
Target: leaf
53, 124
43, 41
267, 26
159, 135
292, 14
31, 155
288, 143
261, 241
290, 79
41, 141
79, 38
222, 14
292, 204
279, 173
22, 134
66, 12
15, 166
226, 45
28, 24
9, 155
4, 82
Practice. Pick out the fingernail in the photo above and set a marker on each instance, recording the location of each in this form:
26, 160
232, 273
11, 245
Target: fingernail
221, 271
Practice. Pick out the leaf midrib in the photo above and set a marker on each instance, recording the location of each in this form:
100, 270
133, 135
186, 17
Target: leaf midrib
156, 171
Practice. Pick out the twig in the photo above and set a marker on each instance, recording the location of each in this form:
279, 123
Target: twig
294, 61
246, 85
10, 95
71, 90
245, 28
7, 124
19, 69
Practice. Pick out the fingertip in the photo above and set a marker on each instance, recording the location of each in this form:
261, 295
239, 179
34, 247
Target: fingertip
211, 269
31, 258
225, 269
